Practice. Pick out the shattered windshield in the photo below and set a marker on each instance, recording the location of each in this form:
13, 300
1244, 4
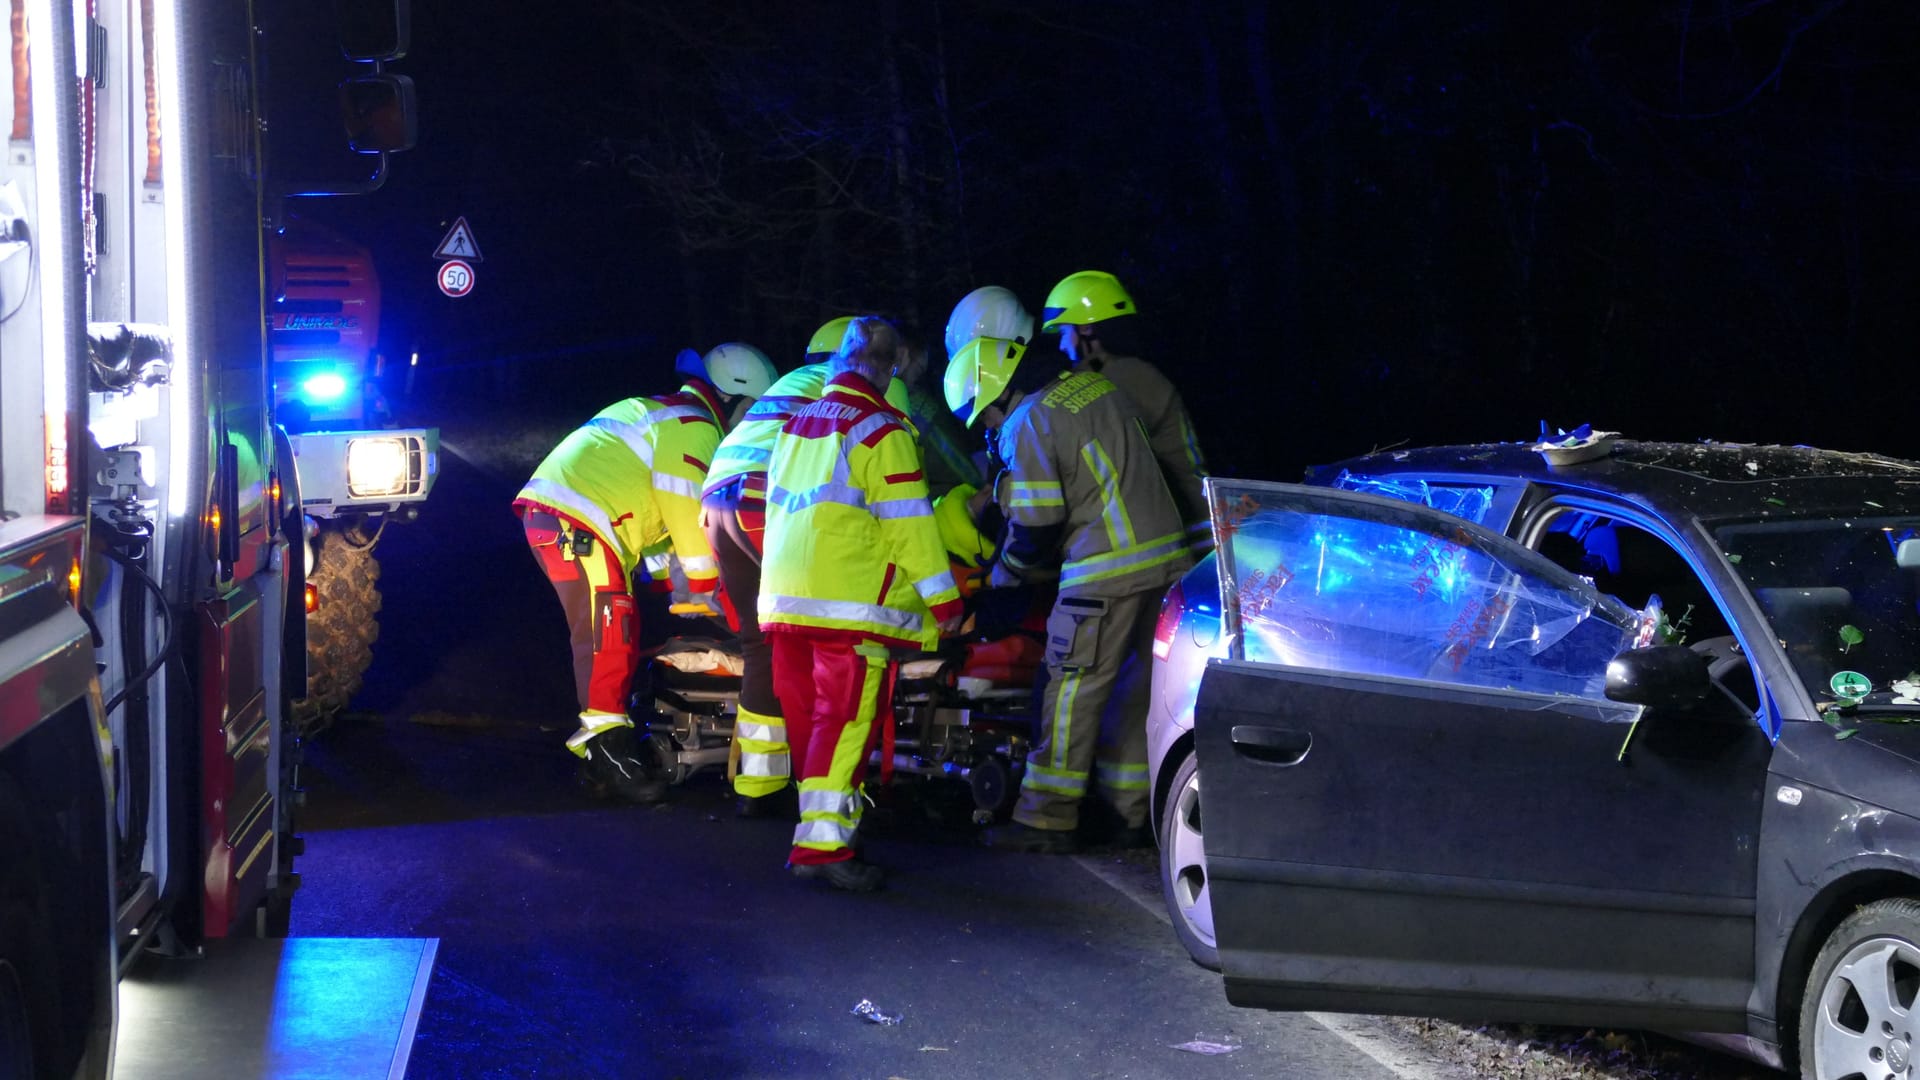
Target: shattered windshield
1844, 609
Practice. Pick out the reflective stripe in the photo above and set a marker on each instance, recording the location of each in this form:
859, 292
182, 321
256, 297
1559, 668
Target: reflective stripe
827, 801
1122, 777
1055, 781
676, 485
930, 587
823, 832
840, 494
898, 509
1119, 526
1037, 493
844, 611
1061, 737
635, 433
571, 501
1193, 446
752, 764
700, 564
1124, 561
592, 724
766, 733
859, 432
656, 565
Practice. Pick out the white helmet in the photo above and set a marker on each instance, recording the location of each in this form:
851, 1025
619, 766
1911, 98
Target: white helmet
988, 311
738, 368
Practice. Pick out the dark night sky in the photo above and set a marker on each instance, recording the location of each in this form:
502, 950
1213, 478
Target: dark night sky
1348, 223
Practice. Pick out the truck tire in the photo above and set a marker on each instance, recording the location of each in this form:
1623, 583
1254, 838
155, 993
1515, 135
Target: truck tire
341, 630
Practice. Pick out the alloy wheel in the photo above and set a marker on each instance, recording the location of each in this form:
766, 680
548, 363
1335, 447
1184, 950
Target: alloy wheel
1187, 862
1866, 1025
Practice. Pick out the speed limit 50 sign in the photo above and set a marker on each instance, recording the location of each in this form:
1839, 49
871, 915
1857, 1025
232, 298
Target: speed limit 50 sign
456, 278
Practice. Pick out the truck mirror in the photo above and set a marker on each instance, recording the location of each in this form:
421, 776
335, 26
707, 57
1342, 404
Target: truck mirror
379, 113
372, 31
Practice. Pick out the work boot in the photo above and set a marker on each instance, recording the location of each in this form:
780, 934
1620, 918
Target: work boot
1014, 836
614, 768
853, 875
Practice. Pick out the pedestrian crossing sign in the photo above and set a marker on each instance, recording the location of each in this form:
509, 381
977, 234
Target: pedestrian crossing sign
459, 243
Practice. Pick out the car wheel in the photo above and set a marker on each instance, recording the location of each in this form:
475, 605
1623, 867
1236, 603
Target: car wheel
1856, 1014
1183, 867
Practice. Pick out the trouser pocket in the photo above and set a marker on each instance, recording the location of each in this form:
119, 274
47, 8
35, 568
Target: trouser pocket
1073, 632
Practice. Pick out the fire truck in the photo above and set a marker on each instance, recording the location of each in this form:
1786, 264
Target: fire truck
358, 473
152, 581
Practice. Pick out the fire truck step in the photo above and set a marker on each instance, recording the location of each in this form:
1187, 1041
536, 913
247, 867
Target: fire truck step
343, 1008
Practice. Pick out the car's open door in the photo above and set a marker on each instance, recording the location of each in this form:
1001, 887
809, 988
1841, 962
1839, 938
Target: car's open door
1416, 794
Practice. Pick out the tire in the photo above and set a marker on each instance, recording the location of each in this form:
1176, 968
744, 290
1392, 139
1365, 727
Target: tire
340, 631
1183, 867
1856, 1012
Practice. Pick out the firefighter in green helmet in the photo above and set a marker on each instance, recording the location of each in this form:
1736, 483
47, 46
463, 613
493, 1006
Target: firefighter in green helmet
1087, 508
1099, 331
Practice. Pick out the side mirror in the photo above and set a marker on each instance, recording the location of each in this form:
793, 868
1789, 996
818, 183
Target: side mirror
372, 31
379, 113
1664, 675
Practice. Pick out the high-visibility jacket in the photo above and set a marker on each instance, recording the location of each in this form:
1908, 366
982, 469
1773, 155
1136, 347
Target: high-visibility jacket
1087, 495
632, 474
747, 447
852, 551
1170, 431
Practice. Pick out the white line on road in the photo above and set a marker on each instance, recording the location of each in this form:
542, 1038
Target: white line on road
1363, 1033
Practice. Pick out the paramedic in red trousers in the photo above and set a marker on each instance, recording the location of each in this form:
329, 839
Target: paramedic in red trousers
1086, 505
733, 511
603, 513
1099, 329
854, 568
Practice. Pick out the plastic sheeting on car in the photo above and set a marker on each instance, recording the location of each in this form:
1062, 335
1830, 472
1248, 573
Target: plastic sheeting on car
1332, 581
1469, 501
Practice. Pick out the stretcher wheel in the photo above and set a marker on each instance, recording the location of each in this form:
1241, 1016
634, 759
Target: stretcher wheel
995, 787
665, 758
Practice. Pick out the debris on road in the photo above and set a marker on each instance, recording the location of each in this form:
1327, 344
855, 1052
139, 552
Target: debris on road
1201, 1046
870, 1011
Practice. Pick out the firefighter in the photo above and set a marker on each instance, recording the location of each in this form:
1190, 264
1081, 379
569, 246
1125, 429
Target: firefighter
854, 568
1087, 506
1099, 331
603, 513
733, 513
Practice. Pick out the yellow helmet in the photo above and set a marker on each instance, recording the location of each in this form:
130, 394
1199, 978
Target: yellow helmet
1086, 297
827, 338
979, 374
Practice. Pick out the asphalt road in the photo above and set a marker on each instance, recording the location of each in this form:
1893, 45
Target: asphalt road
580, 939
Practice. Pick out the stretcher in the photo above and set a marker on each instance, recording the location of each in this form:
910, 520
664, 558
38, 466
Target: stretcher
965, 714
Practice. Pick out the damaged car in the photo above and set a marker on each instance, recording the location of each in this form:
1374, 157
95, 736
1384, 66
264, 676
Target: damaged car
1623, 733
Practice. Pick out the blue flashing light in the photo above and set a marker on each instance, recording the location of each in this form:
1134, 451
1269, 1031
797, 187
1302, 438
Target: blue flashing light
325, 387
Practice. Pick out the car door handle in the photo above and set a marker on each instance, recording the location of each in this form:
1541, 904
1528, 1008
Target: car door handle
1277, 745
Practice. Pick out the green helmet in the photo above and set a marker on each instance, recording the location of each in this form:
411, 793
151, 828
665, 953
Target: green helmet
827, 338
979, 374
1086, 297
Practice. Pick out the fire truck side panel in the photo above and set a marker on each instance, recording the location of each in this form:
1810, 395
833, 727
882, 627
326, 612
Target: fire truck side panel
56, 844
236, 769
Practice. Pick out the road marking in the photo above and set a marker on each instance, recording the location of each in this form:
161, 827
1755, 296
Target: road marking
1360, 1032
